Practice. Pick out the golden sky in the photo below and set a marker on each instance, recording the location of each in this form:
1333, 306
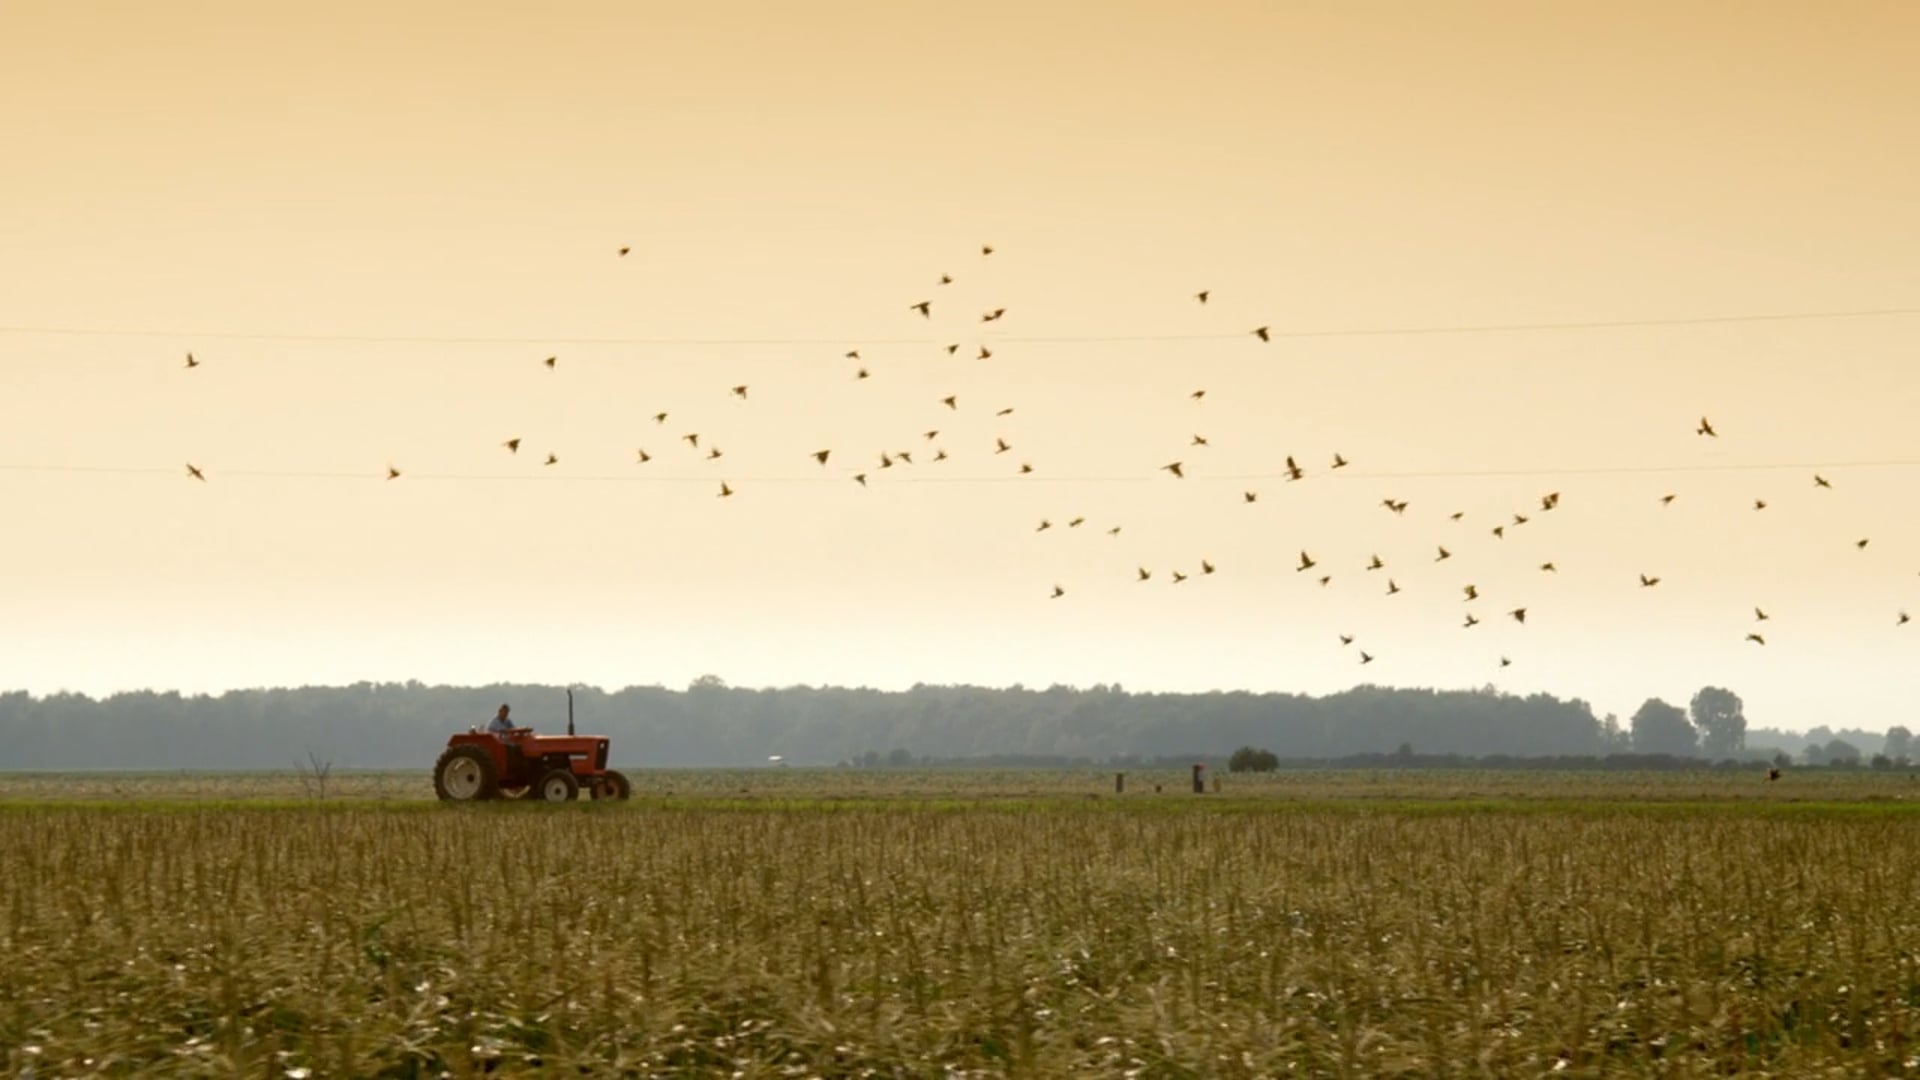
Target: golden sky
372, 222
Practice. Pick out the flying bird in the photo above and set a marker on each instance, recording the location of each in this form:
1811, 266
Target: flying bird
1706, 428
1648, 582
1375, 563
946, 279
1902, 620
862, 373
1306, 562
1521, 519
659, 418
1250, 496
821, 456
553, 459
994, 315
1472, 592
624, 250
1550, 500
1756, 639
1471, 621
1667, 500
1025, 468
194, 471
1261, 333
1759, 504
986, 249
1346, 639
1392, 586
1499, 532
951, 401
1519, 614
1820, 481
853, 354
1549, 568
924, 307
724, 490
1444, 554
713, 453
1008, 411
1504, 662
1759, 616
1339, 462
985, 353
692, 439
1044, 525
940, 454
860, 478
740, 391
550, 361
1000, 446
1076, 523
1861, 543
1202, 295
930, 435
1178, 577
1365, 657
512, 445
1206, 567
1199, 440
1174, 468
191, 362
1456, 515
1144, 573
644, 457
953, 348
393, 473
1115, 531
1294, 472
1197, 395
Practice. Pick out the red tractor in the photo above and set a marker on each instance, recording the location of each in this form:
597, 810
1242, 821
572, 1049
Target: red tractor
521, 765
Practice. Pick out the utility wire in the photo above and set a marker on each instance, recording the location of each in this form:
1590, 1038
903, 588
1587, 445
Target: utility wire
1061, 339
1347, 474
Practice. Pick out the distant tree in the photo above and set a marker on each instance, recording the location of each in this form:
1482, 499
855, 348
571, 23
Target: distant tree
1719, 717
1404, 751
1248, 759
1660, 728
1842, 752
1899, 742
1881, 761
1612, 736
1782, 759
899, 756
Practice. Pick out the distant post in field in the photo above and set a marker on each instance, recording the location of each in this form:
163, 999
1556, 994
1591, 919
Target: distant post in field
1199, 779
1119, 783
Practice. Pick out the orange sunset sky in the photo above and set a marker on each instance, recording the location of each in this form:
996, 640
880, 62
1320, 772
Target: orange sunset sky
371, 223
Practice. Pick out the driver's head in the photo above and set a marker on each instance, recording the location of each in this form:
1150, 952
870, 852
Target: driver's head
504, 710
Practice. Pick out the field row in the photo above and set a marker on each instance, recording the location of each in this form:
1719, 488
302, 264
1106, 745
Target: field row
1744, 785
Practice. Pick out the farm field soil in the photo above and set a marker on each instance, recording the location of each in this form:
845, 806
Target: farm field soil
1346, 925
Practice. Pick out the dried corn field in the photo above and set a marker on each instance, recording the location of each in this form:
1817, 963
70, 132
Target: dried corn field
1105, 939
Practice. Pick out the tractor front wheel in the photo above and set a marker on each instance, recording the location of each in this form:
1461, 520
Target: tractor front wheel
558, 785
612, 785
465, 774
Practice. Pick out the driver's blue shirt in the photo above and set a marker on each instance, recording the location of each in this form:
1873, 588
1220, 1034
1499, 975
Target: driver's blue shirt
500, 726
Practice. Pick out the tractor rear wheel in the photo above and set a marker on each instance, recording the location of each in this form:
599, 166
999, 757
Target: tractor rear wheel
612, 785
558, 785
465, 774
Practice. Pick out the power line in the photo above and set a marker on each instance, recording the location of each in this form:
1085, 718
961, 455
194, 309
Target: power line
1347, 474
1060, 339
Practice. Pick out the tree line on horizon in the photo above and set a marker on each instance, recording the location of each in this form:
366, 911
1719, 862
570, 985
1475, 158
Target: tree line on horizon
404, 725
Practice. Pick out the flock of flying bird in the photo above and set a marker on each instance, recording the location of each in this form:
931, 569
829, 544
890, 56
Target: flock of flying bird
1176, 471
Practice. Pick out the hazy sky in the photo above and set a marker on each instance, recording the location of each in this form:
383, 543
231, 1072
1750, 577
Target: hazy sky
372, 222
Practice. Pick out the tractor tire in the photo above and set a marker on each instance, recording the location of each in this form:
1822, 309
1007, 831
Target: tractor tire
557, 785
612, 785
465, 774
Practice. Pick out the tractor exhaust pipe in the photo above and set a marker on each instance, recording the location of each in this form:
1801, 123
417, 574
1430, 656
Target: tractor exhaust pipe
569, 710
